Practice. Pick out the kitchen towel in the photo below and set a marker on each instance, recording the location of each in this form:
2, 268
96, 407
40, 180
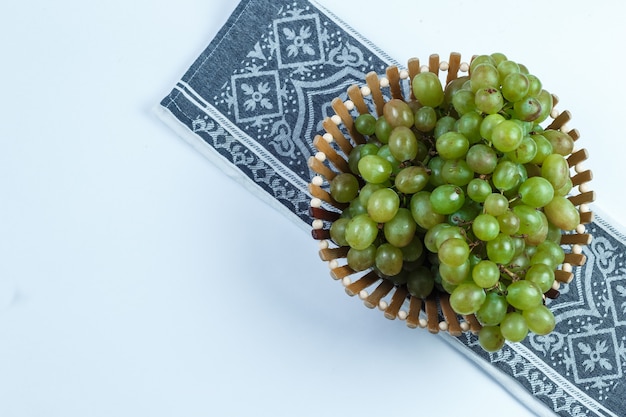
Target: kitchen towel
253, 101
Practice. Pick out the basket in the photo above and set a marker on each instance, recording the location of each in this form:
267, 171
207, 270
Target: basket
433, 313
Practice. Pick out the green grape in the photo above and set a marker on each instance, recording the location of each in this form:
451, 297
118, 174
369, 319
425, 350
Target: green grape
513, 327
357, 153
481, 59
451, 89
467, 298
547, 103
355, 208
536, 192
463, 102
506, 68
432, 234
383, 129
455, 274
425, 119
525, 152
562, 213
444, 124
496, 204
400, 230
486, 227
366, 192
481, 159
535, 86
561, 142
515, 86
555, 169
414, 250
486, 274
338, 231
544, 148
493, 310
446, 199
527, 109
509, 222
452, 145
541, 275
427, 89
383, 205
489, 123
388, 259
344, 187
411, 179
400, 278
456, 172
501, 249
422, 210
489, 100
498, 57
375, 169
365, 124
454, 252
420, 282
403, 143
533, 224
540, 320
385, 153
360, 260
469, 126
506, 175
519, 263
507, 136
553, 250
361, 231
398, 113
490, 338
523, 295
435, 165
478, 190
447, 233
484, 76
565, 189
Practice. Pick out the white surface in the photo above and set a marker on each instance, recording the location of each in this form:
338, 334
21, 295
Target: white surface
147, 283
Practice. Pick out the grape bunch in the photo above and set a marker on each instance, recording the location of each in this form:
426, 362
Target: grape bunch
461, 189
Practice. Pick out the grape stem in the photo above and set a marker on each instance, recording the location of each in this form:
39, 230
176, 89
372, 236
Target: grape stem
514, 277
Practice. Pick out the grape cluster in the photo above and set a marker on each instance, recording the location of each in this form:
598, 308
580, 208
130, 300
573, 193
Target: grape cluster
462, 190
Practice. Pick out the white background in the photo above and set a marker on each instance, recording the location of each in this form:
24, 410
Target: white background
136, 279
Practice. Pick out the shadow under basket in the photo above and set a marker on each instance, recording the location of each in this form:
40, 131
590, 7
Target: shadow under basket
434, 312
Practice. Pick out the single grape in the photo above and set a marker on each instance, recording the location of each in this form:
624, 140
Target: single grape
506, 68
507, 136
447, 198
454, 252
463, 102
490, 338
361, 231
344, 187
357, 153
388, 259
481, 159
400, 230
383, 205
486, 227
501, 249
555, 169
432, 234
547, 103
365, 124
427, 89
383, 129
562, 213
411, 179
484, 76
493, 310
544, 148
452, 145
536, 192
375, 169
535, 86
360, 260
467, 298
455, 274
486, 274
540, 320
523, 295
425, 119
489, 100
385, 152
509, 222
469, 126
514, 327
456, 172
506, 176
541, 275
338, 231
403, 143
478, 190
420, 282
525, 152
444, 124
489, 123
414, 250
481, 59
434, 165
367, 190
561, 142
515, 87
496, 204
398, 113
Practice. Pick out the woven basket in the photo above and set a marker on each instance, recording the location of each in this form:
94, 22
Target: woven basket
433, 313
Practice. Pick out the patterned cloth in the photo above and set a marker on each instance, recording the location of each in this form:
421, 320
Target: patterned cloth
253, 101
